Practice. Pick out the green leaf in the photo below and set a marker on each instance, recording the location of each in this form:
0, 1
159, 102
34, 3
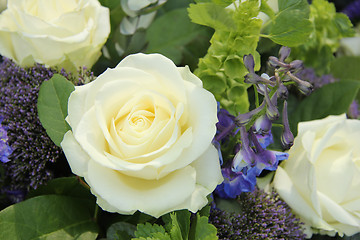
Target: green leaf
331, 99
66, 186
202, 229
211, 15
120, 231
291, 25
350, 63
48, 217
180, 32
146, 230
52, 106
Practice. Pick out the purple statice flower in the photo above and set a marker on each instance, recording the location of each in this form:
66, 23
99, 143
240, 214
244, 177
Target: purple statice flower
5, 149
352, 10
35, 159
262, 216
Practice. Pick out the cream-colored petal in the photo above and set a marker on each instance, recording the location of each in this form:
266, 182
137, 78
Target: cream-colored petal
187, 75
76, 157
169, 80
202, 119
298, 202
89, 135
153, 197
333, 212
76, 105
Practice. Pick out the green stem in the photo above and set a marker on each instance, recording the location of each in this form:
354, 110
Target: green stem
96, 212
278, 125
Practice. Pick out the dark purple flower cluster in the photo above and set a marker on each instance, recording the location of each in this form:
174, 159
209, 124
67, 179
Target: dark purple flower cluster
352, 10
263, 216
35, 159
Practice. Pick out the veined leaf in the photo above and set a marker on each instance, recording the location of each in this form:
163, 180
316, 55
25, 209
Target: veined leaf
52, 106
48, 217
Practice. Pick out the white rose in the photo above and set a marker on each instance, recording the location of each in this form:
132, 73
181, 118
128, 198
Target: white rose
66, 33
141, 137
321, 179
3, 4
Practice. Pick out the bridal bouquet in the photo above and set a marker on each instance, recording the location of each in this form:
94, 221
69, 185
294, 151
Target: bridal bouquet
176, 120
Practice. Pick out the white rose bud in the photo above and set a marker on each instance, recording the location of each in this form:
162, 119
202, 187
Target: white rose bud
141, 137
321, 179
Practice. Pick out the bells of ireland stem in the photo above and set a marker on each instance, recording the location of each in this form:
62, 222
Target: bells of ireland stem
287, 138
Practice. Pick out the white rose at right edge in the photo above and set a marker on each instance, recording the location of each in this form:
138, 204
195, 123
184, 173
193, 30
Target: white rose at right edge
321, 179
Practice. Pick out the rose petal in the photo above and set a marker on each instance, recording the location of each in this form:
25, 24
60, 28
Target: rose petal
76, 157
127, 194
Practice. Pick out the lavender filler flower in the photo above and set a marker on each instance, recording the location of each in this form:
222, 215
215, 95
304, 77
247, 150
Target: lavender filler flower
263, 216
35, 159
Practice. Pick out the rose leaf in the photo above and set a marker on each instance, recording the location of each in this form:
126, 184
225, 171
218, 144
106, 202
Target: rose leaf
52, 106
50, 217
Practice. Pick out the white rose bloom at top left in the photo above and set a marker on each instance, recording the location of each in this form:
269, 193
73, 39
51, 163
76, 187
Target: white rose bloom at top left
141, 137
66, 33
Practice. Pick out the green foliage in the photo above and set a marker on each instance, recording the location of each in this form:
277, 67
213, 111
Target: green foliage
173, 43
331, 99
52, 106
66, 186
346, 67
329, 28
236, 34
48, 217
291, 25
120, 231
178, 227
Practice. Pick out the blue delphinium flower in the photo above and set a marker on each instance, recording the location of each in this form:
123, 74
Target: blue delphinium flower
251, 156
5, 149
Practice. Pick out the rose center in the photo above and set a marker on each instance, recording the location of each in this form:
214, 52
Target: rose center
141, 120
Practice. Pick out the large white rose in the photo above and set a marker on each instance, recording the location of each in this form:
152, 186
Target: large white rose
66, 33
321, 179
141, 137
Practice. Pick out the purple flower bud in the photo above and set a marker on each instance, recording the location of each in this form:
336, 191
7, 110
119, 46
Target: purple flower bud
282, 91
271, 110
353, 112
249, 63
262, 125
246, 156
304, 87
296, 64
245, 118
284, 53
287, 138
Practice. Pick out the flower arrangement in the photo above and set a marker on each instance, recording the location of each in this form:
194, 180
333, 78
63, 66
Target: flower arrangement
170, 120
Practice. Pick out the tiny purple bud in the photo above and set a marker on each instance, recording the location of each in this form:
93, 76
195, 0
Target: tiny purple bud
287, 138
249, 63
297, 64
246, 156
262, 125
271, 110
245, 118
284, 53
304, 87
353, 111
282, 91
